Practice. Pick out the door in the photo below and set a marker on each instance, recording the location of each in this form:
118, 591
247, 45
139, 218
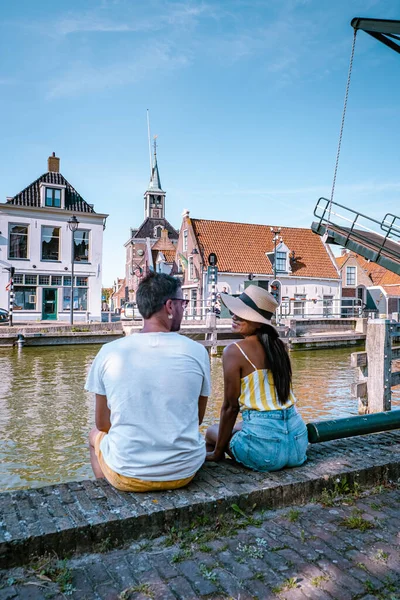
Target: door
49, 304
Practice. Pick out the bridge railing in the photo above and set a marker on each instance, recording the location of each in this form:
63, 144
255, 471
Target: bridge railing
376, 375
334, 308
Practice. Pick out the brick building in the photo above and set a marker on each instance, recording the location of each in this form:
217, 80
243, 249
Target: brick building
155, 233
378, 288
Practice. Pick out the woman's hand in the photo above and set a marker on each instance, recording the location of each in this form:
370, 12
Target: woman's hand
215, 456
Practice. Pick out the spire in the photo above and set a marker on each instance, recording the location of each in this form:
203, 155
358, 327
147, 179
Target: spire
155, 182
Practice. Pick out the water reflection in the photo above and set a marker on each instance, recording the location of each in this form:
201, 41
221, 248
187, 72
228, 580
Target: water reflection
45, 415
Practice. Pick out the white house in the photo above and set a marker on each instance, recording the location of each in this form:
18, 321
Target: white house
36, 240
297, 259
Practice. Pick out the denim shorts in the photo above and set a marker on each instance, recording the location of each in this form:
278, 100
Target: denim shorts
271, 440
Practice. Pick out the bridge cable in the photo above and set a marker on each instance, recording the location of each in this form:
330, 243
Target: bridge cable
342, 124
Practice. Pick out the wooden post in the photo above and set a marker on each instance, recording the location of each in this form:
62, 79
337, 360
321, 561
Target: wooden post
211, 324
379, 352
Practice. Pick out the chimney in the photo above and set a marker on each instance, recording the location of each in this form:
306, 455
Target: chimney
53, 163
344, 251
164, 235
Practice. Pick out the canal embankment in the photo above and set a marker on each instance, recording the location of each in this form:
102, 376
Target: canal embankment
298, 334
84, 516
44, 334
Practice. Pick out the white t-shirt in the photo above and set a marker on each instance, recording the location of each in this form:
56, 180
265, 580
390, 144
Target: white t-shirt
152, 382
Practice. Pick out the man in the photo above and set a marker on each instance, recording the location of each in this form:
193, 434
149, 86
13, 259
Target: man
151, 395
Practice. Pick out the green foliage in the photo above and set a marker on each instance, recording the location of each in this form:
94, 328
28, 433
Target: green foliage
288, 584
293, 515
317, 581
356, 521
143, 588
208, 573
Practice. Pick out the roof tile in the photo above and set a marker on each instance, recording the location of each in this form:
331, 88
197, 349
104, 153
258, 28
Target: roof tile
30, 196
241, 248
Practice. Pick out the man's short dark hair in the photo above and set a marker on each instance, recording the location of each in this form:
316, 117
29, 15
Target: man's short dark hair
153, 292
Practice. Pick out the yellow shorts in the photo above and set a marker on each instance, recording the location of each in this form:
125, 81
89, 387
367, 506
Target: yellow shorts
131, 484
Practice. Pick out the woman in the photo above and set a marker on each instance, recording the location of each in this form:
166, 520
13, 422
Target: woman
257, 379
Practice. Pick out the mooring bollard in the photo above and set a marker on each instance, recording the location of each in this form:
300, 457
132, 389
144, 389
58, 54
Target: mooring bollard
20, 341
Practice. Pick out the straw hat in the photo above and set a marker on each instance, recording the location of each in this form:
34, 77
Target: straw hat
254, 304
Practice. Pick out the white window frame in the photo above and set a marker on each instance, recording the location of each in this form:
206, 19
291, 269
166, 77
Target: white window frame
347, 276
13, 224
191, 268
59, 244
52, 186
185, 240
84, 262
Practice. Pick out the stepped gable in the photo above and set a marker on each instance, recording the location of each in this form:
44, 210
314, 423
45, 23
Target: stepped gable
241, 248
30, 196
146, 229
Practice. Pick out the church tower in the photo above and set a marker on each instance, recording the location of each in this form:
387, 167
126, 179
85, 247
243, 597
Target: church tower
154, 196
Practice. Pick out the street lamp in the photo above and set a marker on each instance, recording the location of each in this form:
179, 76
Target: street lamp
73, 225
276, 233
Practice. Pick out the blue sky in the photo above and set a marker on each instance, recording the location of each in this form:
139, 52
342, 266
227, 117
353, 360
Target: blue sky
245, 96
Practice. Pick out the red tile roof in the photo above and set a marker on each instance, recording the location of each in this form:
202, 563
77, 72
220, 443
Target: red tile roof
378, 274
392, 290
169, 255
241, 247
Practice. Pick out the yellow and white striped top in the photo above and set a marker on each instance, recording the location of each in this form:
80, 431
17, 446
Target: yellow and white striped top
258, 390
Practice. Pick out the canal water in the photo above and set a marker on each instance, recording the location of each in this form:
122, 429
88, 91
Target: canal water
45, 415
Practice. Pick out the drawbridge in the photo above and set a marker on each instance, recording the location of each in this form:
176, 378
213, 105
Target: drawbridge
376, 241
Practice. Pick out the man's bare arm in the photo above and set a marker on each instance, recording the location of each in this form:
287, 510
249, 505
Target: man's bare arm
102, 414
202, 407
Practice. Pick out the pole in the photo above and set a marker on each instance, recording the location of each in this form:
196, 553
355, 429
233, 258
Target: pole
148, 136
275, 256
71, 314
11, 298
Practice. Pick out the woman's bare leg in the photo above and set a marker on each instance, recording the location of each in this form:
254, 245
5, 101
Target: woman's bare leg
93, 458
212, 437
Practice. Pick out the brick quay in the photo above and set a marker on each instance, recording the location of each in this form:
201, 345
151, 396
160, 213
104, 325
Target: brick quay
77, 518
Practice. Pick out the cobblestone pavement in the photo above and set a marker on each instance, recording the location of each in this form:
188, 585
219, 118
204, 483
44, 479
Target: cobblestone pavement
346, 548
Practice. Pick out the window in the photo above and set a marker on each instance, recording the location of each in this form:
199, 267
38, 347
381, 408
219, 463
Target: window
30, 279
56, 280
281, 261
18, 241
50, 243
82, 281
80, 299
191, 268
44, 279
67, 280
81, 245
25, 298
185, 240
18, 278
299, 305
350, 275
53, 197
193, 298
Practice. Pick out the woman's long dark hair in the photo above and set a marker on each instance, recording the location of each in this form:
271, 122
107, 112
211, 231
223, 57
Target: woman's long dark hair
278, 360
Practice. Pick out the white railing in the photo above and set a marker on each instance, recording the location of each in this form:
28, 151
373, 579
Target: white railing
334, 308
196, 313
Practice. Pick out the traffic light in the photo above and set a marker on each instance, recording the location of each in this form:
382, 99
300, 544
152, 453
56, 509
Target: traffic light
212, 275
276, 291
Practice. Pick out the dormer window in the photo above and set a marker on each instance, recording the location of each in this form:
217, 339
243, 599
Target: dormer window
281, 262
157, 231
53, 197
